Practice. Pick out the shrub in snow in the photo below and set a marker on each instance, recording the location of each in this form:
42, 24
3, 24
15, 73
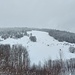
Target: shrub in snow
19, 35
72, 49
33, 38
48, 45
5, 36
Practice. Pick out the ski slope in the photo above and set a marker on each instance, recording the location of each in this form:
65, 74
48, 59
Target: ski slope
46, 47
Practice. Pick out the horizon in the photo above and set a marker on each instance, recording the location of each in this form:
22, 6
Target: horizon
34, 28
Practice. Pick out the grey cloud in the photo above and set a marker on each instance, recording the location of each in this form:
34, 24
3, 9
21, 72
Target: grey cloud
55, 14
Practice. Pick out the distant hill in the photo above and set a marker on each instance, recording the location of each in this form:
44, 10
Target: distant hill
57, 34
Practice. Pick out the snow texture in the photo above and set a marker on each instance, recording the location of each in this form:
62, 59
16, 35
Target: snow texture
46, 47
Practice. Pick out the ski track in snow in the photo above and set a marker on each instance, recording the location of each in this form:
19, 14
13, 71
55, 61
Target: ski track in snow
45, 48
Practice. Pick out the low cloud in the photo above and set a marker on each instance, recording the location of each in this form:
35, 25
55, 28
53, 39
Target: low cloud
55, 14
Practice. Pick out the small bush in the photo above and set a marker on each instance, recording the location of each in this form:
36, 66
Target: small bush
19, 35
33, 38
5, 36
72, 49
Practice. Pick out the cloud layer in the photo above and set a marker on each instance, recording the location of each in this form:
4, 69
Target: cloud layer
55, 14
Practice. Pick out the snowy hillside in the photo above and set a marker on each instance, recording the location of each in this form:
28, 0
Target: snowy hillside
44, 48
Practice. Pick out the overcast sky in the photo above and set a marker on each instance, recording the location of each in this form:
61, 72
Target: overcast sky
55, 14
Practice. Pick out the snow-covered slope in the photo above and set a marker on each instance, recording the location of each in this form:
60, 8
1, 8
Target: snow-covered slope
45, 48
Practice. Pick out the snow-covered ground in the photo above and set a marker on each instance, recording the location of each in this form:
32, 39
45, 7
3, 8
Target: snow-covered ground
45, 48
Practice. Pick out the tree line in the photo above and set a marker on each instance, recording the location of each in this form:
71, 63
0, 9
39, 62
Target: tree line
62, 35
